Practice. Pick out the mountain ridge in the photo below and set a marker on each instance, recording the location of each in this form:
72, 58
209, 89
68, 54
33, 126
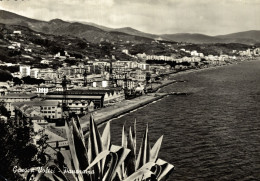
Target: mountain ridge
96, 33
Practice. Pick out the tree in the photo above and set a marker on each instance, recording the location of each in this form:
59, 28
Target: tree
33, 81
5, 76
3, 110
148, 77
17, 81
11, 69
16, 149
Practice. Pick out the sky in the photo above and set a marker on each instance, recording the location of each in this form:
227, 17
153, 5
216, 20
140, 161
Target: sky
211, 17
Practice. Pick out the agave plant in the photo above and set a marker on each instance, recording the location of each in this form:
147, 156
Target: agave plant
100, 160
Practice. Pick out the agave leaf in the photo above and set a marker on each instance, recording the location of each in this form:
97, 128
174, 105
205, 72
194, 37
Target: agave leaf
155, 150
122, 155
140, 175
148, 166
94, 141
94, 148
166, 169
68, 161
134, 137
51, 165
79, 146
77, 120
124, 137
111, 166
157, 170
131, 161
98, 158
56, 178
124, 144
48, 176
106, 142
72, 148
118, 155
144, 152
106, 137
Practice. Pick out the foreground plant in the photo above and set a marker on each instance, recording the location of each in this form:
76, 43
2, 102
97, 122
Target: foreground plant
99, 160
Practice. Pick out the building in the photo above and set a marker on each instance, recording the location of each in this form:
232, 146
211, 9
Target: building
48, 109
16, 97
140, 75
130, 83
78, 107
99, 82
97, 96
143, 66
125, 51
4, 86
47, 74
17, 32
34, 73
44, 89
47, 62
54, 140
25, 70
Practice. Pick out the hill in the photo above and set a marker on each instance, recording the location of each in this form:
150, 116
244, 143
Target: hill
135, 32
60, 27
95, 33
191, 38
248, 37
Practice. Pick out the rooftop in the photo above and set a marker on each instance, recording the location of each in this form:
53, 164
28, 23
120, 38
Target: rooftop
84, 91
74, 96
37, 103
19, 95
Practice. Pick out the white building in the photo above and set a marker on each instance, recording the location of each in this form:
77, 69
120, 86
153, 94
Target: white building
17, 32
34, 73
44, 89
25, 70
125, 51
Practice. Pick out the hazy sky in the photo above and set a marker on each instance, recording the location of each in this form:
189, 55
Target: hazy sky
212, 17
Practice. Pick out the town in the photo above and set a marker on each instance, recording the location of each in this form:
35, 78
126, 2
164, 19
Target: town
34, 92
42, 73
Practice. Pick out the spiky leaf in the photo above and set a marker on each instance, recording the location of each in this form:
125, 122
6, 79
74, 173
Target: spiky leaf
144, 152
155, 150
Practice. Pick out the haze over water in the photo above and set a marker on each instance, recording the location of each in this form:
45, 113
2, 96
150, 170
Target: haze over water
212, 134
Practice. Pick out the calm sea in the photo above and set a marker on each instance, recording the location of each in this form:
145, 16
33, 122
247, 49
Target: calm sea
212, 134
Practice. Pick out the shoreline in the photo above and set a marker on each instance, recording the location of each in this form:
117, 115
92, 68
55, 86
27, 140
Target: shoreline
112, 112
103, 115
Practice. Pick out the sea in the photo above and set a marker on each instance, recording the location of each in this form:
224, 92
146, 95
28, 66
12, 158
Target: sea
213, 133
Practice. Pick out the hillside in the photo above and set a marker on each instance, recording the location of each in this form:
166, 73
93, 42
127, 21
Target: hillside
248, 37
253, 35
135, 32
191, 38
60, 27
95, 33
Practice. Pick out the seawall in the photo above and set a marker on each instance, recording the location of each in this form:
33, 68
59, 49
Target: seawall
105, 114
